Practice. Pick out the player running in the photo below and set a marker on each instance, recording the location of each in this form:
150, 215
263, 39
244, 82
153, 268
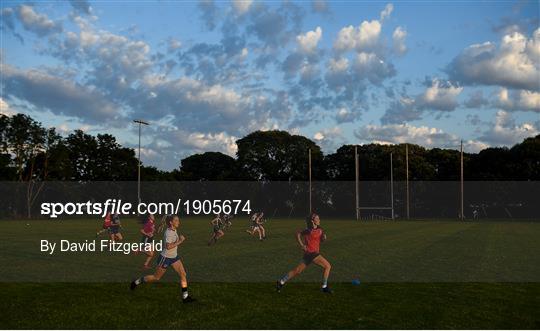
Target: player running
114, 229
147, 232
309, 241
217, 227
227, 220
169, 257
257, 221
106, 225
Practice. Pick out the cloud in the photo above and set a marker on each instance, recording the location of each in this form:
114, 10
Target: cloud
60, 96
398, 38
518, 100
439, 96
476, 100
329, 138
344, 115
373, 68
81, 6
401, 111
421, 135
170, 145
513, 64
209, 13
307, 42
275, 27
320, 6
363, 37
7, 22
241, 6
39, 24
5, 109
506, 132
386, 12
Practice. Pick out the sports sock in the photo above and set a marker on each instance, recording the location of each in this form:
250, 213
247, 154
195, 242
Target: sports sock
284, 279
139, 281
325, 282
184, 292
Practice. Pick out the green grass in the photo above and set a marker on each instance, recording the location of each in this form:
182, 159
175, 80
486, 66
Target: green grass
418, 274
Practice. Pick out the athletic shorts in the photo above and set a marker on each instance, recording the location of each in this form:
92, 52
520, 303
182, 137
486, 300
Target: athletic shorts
146, 240
114, 229
309, 257
216, 228
165, 262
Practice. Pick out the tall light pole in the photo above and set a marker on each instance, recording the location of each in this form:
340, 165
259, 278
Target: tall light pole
462, 216
309, 165
407, 175
392, 185
356, 170
140, 122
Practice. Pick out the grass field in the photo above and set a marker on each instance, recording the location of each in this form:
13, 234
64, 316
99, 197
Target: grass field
417, 274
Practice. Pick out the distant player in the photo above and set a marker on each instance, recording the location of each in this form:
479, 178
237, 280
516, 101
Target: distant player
257, 221
114, 228
227, 220
105, 226
147, 232
309, 240
217, 229
169, 257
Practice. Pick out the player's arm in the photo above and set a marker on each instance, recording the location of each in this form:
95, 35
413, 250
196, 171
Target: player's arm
323, 237
300, 240
178, 241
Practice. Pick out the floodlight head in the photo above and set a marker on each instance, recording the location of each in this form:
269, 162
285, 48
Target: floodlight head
141, 122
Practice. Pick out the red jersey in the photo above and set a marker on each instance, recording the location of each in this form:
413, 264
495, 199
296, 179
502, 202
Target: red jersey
149, 227
107, 221
313, 238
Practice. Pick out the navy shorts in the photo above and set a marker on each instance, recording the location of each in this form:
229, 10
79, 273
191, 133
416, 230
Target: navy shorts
309, 257
165, 262
146, 239
114, 229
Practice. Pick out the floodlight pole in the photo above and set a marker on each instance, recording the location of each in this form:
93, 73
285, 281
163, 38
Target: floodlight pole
462, 215
392, 185
407, 175
140, 122
356, 169
309, 166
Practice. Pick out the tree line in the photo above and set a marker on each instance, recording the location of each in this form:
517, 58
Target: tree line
29, 152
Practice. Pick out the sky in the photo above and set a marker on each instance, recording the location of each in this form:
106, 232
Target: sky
206, 73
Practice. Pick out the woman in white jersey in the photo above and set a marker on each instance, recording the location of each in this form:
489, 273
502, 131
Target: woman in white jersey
169, 257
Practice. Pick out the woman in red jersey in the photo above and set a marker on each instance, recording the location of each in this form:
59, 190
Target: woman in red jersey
310, 240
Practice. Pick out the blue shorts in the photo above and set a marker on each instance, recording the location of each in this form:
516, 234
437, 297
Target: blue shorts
165, 262
114, 229
147, 240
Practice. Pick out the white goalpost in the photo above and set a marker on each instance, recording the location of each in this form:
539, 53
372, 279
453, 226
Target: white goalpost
359, 209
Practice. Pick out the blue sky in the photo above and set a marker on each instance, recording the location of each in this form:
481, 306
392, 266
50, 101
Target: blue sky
206, 73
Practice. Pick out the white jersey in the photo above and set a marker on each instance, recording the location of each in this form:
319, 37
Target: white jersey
169, 237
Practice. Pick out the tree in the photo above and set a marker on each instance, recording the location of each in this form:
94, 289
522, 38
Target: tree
278, 155
208, 166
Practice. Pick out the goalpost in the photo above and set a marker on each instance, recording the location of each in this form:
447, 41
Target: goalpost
373, 216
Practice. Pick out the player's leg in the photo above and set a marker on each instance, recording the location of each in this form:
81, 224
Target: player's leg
149, 256
263, 232
258, 230
323, 263
178, 266
160, 271
291, 274
119, 237
219, 234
